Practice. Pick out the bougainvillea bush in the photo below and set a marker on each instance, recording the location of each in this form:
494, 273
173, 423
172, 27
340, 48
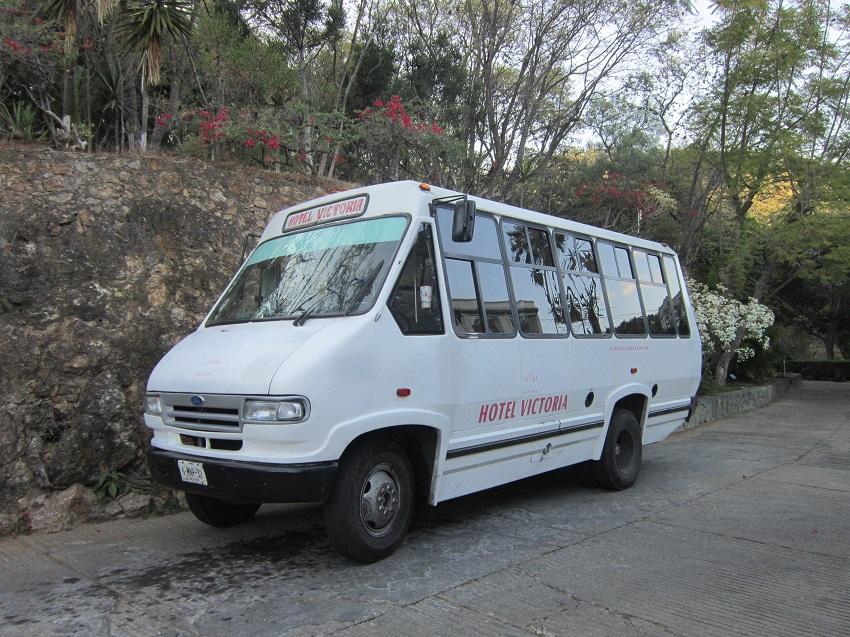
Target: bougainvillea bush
729, 328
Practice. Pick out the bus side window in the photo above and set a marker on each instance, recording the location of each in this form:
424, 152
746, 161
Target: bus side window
475, 277
676, 295
656, 301
621, 288
585, 302
415, 302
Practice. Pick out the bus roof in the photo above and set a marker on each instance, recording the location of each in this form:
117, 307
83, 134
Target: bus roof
385, 198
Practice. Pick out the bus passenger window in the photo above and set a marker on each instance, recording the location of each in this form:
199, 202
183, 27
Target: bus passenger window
621, 290
676, 295
584, 256
585, 302
588, 315
626, 313
476, 277
497, 303
415, 302
656, 300
642, 266
607, 259
623, 263
466, 309
540, 248
516, 243
538, 301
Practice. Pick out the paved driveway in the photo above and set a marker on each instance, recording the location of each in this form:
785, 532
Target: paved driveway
737, 527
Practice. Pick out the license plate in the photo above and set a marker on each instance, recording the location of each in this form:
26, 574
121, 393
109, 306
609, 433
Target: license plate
192, 472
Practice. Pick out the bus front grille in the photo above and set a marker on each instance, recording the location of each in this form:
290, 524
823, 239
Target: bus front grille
217, 413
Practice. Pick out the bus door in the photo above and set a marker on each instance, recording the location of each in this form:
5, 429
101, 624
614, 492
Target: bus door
485, 353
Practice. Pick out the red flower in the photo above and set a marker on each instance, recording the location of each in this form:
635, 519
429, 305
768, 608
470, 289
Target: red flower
163, 119
378, 104
16, 46
437, 129
339, 158
249, 143
273, 143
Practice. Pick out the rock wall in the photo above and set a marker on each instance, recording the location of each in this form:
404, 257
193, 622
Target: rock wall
105, 262
710, 408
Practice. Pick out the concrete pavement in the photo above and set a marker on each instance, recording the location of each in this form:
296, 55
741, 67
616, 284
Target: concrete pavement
740, 527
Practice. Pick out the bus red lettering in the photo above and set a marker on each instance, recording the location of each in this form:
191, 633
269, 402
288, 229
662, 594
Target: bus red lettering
494, 411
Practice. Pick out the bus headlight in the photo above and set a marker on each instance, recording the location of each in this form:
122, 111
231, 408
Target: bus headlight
153, 406
274, 410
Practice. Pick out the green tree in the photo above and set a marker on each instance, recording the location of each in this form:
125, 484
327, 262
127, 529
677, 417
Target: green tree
762, 52
143, 27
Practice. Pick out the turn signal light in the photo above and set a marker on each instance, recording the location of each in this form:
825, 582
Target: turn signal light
425, 187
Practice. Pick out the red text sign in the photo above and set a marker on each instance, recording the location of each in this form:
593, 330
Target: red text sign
491, 412
329, 212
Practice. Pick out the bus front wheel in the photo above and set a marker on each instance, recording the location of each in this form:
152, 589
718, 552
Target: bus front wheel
369, 510
619, 465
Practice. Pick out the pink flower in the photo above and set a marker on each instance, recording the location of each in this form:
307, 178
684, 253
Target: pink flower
378, 103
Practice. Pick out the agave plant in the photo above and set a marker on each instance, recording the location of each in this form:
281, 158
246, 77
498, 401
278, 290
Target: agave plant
19, 121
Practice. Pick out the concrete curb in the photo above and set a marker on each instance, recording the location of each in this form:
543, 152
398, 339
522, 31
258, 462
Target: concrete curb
709, 408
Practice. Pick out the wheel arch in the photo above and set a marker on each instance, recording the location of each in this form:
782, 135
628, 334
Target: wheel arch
634, 397
424, 445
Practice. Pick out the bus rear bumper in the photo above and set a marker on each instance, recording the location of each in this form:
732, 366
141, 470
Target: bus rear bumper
240, 481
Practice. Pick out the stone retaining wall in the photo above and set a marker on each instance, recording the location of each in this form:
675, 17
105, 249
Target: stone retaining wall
106, 261
710, 408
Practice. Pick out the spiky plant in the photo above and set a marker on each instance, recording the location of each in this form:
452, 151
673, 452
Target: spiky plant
66, 12
144, 24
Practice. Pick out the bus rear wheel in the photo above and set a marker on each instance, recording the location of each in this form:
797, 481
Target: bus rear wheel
619, 466
369, 510
220, 513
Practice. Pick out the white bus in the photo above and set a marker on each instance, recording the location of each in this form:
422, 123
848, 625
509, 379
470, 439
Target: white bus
401, 340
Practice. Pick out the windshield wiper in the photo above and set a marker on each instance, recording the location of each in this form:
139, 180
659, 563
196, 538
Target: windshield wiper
302, 318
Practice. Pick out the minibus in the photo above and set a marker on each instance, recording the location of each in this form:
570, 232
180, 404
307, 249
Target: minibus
401, 342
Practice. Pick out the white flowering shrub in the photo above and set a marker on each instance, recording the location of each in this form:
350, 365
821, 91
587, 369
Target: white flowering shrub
727, 325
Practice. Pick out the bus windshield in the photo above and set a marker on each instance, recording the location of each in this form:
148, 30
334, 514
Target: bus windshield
327, 271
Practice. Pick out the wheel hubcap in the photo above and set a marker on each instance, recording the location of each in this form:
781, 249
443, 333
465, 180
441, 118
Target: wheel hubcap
379, 500
624, 451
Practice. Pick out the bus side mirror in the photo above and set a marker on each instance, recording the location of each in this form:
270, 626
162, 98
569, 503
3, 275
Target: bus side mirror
463, 224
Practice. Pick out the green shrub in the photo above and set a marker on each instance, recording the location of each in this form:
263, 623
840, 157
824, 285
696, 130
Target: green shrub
821, 370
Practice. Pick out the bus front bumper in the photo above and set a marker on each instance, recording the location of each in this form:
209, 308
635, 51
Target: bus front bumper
240, 481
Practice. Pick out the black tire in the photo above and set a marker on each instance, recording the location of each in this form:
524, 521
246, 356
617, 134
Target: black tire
619, 466
220, 513
371, 503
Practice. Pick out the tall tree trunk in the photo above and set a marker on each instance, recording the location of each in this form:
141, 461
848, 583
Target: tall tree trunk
68, 89
180, 60
829, 340
721, 367
143, 120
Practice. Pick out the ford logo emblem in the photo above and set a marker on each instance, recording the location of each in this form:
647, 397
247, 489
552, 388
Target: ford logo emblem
197, 401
